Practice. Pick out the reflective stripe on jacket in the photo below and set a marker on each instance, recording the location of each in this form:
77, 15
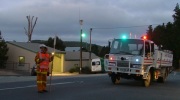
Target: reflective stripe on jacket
46, 58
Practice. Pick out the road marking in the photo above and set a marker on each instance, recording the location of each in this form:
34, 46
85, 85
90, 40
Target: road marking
36, 85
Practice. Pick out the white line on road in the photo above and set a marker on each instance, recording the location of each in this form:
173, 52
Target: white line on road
36, 85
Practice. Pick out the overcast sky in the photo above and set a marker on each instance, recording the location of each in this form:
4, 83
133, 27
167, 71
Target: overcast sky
61, 17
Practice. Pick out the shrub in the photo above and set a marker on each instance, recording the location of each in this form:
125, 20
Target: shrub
85, 70
74, 69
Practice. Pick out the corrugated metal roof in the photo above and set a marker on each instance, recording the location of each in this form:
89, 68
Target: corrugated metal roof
33, 47
72, 49
76, 55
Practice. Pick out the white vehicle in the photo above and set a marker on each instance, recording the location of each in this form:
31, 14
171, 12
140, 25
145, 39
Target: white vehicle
138, 59
96, 65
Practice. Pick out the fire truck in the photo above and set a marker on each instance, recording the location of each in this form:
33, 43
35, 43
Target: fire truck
138, 59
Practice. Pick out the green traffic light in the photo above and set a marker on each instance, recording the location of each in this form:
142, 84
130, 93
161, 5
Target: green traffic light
83, 35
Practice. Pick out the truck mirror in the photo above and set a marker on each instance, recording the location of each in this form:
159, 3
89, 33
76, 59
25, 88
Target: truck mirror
160, 47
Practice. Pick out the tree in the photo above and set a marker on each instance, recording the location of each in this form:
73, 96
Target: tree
95, 50
176, 34
168, 36
31, 26
59, 43
176, 16
3, 54
104, 51
84, 49
150, 32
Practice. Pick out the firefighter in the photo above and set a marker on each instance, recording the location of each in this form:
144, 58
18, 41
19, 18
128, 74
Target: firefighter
42, 60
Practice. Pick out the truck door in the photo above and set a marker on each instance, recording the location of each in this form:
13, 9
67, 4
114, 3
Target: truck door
147, 49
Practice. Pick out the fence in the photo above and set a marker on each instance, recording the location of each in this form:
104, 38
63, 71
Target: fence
18, 66
14, 68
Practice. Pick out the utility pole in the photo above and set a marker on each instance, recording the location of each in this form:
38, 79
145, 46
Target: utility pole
31, 26
81, 23
90, 47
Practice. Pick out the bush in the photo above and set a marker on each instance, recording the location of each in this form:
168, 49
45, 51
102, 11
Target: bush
74, 69
85, 70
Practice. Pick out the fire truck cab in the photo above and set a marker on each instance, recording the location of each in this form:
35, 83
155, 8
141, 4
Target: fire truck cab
138, 59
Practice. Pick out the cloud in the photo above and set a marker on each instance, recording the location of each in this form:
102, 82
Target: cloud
62, 17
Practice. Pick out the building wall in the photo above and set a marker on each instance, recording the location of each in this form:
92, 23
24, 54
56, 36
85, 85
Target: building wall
70, 64
58, 63
13, 58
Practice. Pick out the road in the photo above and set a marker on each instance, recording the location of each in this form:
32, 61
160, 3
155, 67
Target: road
93, 87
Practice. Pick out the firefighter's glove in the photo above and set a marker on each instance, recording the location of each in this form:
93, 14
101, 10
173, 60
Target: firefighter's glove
39, 61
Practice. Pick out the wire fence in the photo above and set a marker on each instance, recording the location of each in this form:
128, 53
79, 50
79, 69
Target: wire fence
15, 68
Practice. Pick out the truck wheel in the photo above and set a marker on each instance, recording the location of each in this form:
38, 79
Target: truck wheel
163, 78
147, 82
115, 79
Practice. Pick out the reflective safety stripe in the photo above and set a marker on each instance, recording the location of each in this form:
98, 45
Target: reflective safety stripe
38, 72
43, 72
40, 82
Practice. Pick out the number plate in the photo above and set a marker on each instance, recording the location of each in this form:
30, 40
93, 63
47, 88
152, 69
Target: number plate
124, 70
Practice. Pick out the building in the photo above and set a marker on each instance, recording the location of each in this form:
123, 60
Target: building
21, 57
72, 59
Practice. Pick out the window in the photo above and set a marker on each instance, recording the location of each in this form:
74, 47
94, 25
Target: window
96, 63
21, 60
130, 46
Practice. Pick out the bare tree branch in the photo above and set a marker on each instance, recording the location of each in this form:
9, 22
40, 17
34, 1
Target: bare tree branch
34, 24
31, 26
26, 31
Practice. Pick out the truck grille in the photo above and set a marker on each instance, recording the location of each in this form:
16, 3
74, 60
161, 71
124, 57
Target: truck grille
123, 63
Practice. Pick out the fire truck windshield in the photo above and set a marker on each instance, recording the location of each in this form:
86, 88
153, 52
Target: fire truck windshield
128, 46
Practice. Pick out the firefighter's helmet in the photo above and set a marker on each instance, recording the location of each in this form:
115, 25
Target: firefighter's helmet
42, 46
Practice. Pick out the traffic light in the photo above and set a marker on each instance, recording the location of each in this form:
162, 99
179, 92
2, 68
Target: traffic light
83, 35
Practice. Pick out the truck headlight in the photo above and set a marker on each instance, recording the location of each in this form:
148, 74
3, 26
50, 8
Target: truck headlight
137, 60
136, 66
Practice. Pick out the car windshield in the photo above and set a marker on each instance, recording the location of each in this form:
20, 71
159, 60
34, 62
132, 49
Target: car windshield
127, 46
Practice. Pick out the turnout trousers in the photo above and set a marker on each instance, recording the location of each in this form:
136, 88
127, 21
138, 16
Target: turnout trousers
41, 79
